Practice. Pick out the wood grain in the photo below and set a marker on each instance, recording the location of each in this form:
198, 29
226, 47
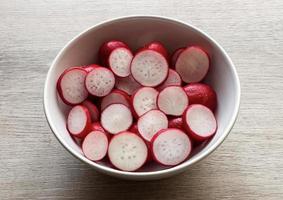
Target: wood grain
33, 165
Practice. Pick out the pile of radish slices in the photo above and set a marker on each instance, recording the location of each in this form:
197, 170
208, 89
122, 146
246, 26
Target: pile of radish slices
134, 108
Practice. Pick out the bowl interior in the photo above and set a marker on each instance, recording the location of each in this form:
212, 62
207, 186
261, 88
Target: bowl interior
137, 31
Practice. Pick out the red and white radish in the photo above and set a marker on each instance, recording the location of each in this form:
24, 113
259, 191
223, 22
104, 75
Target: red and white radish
149, 68
94, 113
116, 96
96, 126
176, 123
100, 81
127, 84
70, 86
171, 146
89, 68
127, 151
176, 55
192, 64
116, 118
173, 78
151, 122
134, 129
200, 122
157, 46
172, 100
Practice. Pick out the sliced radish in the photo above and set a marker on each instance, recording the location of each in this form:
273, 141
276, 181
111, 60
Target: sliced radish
79, 121
149, 68
173, 100
94, 113
70, 86
176, 55
192, 64
100, 81
106, 49
89, 68
127, 151
151, 122
157, 46
116, 118
144, 100
176, 123
171, 146
200, 122
127, 84
172, 79
200, 93
96, 126
134, 129
116, 96
95, 145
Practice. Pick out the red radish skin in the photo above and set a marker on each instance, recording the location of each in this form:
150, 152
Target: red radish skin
200, 93
170, 147
79, 121
134, 129
100, 81
172, 79
192, 64
157, 46
116, 118
149, 68
96, 126
116, 96
172, 100
95, 145
176, 123
127, 84
176, 55
199, 122
94, 112
70, 86
127, 151
89, 68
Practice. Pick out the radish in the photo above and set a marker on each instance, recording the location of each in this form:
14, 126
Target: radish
79, 121
151, 122
170, 146
144, 100
176, 55
116, 96
100, 81
172, 79
127, 151
70, 86
176, 123
89, 68
200, 122
116, 118
95, 145
96, 126
134, 129
192, 64
149, 68
157, 46
200, 93
127, 84
94, 113
172, 100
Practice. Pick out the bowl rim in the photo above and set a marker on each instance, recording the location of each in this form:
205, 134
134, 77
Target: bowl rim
171, 170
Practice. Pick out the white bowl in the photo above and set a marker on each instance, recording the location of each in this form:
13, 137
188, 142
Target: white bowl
136, 31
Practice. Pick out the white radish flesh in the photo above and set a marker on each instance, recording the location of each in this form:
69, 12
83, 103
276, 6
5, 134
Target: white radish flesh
116, 96
172, 79
120, 61
127, 84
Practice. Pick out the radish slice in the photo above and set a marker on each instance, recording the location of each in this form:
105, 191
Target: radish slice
120, 61
79, 121
157, 46
89, 68
172, 79
176, 123
95, 145
94, 113
100, 81
70, 86
151, 122
106, 49
127, 84
116, 96
127, 151
192, 64
144, 100
116, 118
172, 100
176, 55
200, 122
171, 146
96, 126
149, 68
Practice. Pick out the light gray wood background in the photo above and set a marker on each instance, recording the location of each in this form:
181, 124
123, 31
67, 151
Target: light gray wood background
33, 165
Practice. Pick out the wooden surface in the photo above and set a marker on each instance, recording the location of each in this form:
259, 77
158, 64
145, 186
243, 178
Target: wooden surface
33, 165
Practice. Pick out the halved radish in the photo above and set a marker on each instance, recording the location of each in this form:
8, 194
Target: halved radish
200, 122
192, 64
157, 46
127, 151
127, 84
95, 145
79, 121
172, 100
100, 81
94, 113
144, 100
149, 68
116, 96
116, 118
89, 68
176, 55
200, 93
70, 86
176, 123
106, 49
171, 146
151, 122
173, 78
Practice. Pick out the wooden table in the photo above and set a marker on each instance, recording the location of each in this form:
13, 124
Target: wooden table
33, 165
